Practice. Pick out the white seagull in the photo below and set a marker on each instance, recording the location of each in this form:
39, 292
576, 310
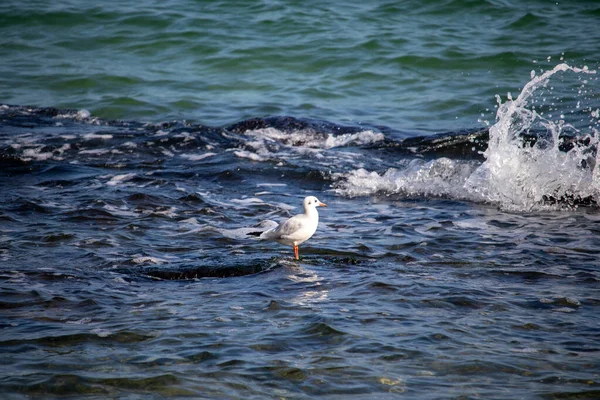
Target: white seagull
297, 229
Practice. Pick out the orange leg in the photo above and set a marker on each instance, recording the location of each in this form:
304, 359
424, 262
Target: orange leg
296, 252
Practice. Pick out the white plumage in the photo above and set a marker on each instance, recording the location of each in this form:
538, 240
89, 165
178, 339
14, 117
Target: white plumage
297, 229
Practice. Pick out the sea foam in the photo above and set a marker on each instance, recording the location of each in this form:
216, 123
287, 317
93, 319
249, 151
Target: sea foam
521, 175
271, 143
517, 174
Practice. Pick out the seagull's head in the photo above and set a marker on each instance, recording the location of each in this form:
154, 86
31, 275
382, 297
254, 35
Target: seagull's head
312, 202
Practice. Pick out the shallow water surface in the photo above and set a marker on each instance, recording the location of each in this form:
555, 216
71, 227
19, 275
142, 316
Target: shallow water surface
127, 271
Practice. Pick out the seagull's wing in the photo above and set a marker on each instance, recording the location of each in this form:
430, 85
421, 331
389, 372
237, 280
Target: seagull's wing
260, 229
286, 228
290, 226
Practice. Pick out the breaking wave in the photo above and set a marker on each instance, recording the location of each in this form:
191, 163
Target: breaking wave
541, 153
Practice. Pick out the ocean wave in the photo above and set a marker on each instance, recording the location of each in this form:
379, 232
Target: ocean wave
539, 153
534, 158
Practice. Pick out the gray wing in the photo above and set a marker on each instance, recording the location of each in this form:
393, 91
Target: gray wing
284, 230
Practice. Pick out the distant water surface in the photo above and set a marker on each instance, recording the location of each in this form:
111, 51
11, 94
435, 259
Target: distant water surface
415, 65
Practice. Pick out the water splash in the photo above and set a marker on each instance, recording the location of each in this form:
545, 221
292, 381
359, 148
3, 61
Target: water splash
526, 164
542, 153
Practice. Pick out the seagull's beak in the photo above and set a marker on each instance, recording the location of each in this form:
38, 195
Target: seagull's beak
322, 204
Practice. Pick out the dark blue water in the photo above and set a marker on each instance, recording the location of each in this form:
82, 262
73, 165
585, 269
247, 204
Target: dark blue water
454, 142
126, 270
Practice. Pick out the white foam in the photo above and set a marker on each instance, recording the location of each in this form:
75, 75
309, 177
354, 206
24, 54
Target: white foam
170, 212
312, 139
166, 152
31, 151
272, 144
63, 148
119, 179
249, 155
189, 221
82, 321
36, 154
148, 260
441, 177
101, 332
519, 176
515, 175
95, 152
121, 211
83, 113
271, 184
248, 201
96, 136
120, 279
197, 157
360, 138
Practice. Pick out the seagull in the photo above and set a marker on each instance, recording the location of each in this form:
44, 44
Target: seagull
295, 230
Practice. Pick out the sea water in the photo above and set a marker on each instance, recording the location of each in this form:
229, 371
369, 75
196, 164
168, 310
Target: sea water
454, 142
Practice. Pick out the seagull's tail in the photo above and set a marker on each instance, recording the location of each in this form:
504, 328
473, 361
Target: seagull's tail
261, 229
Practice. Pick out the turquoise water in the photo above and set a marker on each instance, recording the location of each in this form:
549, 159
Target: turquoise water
414, 65
457, 265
